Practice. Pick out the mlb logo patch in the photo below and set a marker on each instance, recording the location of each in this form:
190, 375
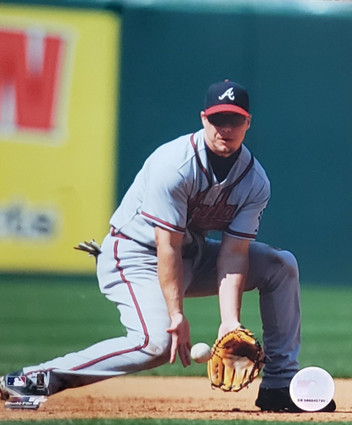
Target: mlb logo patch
16, 381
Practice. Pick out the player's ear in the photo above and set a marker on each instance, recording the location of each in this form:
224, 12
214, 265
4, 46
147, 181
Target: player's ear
203, 116
249, 121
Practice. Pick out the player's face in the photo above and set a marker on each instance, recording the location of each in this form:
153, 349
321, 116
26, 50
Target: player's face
224, 133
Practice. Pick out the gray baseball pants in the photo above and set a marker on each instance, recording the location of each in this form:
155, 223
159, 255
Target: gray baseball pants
127, 275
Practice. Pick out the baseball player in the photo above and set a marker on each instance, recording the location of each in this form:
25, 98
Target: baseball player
157, 252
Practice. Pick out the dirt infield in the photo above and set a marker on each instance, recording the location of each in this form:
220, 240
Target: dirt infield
170, 397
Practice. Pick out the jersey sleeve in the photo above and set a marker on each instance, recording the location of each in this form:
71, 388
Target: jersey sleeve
165, 199
246, 223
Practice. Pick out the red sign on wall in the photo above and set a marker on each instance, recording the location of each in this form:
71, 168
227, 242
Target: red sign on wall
30, 70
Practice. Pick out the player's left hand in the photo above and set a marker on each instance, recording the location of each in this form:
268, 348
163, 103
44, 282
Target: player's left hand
225, 328
236, 360
181, 341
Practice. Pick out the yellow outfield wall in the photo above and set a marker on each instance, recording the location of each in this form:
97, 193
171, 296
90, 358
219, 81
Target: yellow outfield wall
59, 76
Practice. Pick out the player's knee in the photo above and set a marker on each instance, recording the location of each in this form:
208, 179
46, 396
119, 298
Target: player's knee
282, 271
159, 345
287, 262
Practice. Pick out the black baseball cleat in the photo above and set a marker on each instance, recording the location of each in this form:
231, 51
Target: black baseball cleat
18, 384
279, 400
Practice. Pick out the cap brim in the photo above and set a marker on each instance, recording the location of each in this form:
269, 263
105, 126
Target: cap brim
216, 109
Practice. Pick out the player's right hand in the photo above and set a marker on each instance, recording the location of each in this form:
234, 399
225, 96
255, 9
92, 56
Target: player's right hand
180, 339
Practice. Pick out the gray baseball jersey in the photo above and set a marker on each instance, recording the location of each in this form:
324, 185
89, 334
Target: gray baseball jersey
177, 189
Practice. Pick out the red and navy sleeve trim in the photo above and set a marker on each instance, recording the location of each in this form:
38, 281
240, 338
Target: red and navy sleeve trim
163, 222
241, 234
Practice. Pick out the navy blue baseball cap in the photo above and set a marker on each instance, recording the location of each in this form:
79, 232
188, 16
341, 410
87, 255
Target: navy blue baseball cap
227, 96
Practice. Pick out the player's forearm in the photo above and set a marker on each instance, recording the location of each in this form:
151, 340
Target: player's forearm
170, 268
232, 274
171, 279
230, 300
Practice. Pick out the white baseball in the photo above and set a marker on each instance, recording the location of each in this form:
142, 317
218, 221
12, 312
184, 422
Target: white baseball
200, 352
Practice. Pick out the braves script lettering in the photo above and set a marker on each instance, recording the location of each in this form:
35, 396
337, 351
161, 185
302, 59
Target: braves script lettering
217, 216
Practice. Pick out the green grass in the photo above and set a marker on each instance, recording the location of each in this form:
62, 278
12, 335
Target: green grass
43, 318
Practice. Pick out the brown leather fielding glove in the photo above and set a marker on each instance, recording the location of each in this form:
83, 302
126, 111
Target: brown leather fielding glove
236, 360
